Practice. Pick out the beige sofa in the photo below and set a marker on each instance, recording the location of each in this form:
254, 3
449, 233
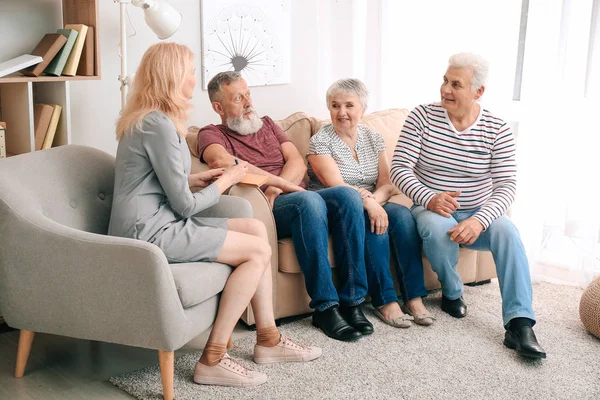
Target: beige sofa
289, 293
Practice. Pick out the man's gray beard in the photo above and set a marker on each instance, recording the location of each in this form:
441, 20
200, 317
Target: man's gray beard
244, 126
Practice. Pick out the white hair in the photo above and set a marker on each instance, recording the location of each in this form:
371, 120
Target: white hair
244, 126
477, 63
352, 86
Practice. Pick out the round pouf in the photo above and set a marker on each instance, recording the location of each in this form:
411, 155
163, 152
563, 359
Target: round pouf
589, 308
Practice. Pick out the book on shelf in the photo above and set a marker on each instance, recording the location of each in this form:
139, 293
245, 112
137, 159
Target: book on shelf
47, 48
75, 56
2, 139
49, 138
59, 61
19, 63
42, 114
86, 63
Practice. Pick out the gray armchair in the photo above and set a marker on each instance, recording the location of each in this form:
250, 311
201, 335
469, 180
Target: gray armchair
61, 274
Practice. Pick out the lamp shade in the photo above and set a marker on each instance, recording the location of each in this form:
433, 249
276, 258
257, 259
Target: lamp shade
162, 18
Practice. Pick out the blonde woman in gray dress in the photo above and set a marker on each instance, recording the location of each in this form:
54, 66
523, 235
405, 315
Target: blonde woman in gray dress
153, 202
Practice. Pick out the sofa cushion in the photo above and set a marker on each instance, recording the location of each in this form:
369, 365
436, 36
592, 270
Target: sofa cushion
199, 281
389, 124
298, 127
192, 139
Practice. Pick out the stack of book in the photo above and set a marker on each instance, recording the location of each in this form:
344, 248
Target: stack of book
69, 52
46, 117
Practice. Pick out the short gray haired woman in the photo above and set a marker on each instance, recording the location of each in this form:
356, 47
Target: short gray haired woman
347, 153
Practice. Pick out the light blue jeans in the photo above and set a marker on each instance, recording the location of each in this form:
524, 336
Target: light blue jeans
501, 238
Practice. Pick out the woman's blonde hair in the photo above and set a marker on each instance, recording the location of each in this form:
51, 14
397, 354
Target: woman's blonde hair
158, 87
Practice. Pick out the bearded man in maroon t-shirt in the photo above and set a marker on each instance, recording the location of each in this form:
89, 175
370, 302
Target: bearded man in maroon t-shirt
305, 216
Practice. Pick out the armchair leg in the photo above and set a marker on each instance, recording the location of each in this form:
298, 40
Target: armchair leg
23, 349
166, 359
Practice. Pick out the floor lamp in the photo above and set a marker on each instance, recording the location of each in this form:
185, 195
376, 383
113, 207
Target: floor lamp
159, 16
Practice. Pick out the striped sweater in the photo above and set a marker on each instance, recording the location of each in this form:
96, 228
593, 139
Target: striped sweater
432, 157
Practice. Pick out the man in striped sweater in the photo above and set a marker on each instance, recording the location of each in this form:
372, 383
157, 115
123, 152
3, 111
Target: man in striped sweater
456, 161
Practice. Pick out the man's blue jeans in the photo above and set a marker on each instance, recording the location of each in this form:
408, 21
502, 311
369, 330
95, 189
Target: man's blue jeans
402, 232
501, 238
308, 217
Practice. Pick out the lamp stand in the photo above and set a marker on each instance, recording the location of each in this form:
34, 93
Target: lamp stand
123, 50
160, 17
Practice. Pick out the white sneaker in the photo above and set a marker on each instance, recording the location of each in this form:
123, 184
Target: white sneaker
285, 351
228, 372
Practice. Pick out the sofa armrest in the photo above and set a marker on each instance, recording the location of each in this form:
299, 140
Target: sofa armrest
60, 280
198, 166
258, 201
261, 211
229, 207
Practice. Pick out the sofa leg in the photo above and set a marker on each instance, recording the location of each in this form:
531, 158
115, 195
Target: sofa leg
23, 349
166, 359
479, 283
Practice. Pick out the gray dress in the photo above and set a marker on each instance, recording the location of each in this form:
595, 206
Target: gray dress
152, 200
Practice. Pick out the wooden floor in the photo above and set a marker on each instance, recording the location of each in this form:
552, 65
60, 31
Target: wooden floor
72, 369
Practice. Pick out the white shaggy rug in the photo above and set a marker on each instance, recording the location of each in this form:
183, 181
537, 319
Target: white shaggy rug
453, 359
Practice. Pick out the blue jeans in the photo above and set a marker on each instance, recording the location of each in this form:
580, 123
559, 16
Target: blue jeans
308, 217
402, 232
501, 238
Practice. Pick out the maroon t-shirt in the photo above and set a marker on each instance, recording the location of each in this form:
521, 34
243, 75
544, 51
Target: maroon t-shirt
261, 149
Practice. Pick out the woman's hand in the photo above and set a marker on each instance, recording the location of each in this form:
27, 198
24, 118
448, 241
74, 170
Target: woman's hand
204, 178
235, 173
232, 175
377, 215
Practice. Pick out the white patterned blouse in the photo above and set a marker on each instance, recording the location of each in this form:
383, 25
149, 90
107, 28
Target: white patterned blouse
362, 173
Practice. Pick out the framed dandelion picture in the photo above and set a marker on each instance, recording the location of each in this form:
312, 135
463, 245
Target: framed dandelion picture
248, 36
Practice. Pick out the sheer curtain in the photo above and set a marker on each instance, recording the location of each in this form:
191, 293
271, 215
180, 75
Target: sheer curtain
559, 207
545, 81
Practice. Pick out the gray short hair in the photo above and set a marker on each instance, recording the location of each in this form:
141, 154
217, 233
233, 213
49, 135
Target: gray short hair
349, 85
478, 64
214, 86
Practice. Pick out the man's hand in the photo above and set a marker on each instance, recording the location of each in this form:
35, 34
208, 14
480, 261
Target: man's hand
377, 216
284, 185
204, 178
364, 193
444, 203
272, 192
466, 232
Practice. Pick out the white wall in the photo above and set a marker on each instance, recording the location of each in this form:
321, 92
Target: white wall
96, 104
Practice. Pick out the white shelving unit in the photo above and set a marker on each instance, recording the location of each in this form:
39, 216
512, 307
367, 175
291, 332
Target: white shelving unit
16, 103
18, 93
22, 25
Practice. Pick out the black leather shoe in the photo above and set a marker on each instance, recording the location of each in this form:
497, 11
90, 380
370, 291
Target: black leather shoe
524, 341
457, 308
332, 323
356, 318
